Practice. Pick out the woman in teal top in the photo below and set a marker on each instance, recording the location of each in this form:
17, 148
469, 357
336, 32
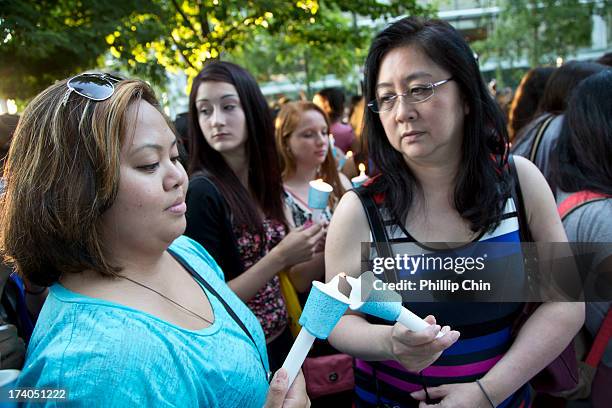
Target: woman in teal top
136, 315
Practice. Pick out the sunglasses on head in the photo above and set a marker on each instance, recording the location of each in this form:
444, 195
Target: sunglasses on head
94, 86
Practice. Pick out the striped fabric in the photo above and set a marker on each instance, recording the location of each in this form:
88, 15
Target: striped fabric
485, 333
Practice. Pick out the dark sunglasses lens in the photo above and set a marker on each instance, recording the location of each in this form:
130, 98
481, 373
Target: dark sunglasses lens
92, 86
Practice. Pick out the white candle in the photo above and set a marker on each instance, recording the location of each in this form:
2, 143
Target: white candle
385, 304
318, 194
324, 308
361, 178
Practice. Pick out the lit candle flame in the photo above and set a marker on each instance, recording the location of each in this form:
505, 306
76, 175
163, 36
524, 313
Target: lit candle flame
349, 154
361, 169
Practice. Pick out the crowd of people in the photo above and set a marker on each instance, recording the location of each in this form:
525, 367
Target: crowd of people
151, 256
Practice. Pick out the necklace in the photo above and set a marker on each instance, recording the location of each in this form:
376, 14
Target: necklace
169, 300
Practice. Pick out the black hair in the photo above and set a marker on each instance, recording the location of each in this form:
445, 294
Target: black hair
481, 183
605, 59
582, 157
265, 182
527, 98
562, 82
335, 98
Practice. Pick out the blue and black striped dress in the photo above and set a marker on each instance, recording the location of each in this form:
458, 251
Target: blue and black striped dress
485, 331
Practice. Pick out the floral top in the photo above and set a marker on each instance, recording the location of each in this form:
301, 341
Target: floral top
268, 303
300, 213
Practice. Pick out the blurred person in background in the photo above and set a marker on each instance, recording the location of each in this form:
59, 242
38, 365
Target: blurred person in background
331, 100
605, 59
583, 173
537, 140
526, 99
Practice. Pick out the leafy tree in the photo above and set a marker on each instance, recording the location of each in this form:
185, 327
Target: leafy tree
45, 40
539, 30
50, 39
332, 43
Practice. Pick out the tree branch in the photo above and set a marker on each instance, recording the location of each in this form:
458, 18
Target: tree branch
203, 23
181, 49
187, 21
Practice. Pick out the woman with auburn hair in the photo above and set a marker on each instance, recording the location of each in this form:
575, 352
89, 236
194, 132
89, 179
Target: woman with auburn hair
136, 315
302, 140
235, 199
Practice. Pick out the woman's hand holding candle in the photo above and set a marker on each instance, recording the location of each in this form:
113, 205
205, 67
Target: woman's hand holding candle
414, 342
385, 304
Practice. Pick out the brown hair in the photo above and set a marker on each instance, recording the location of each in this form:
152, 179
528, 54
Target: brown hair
62, 173
286, 122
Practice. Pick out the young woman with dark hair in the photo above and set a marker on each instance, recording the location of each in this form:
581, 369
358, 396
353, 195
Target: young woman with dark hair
537, 140
235, 199
583, 171
585, 143
439, 141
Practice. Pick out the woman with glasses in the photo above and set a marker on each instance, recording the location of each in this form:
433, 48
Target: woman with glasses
136, 315
439, 141
235, 201
302, 140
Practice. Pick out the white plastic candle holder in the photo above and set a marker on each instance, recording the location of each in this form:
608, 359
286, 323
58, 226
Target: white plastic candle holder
324, 308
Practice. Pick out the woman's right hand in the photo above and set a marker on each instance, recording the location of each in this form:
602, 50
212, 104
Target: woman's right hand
418, 350
299, 245
280, 397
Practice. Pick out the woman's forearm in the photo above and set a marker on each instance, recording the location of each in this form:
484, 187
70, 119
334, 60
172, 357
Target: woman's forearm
542, 338
248, 283
304, 273
353, 335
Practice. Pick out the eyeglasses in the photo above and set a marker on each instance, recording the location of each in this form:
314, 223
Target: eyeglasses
416, 94
94, 86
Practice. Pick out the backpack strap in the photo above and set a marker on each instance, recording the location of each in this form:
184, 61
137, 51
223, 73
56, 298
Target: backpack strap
577, 200
538, 137
517, 196
565, 208
601, 341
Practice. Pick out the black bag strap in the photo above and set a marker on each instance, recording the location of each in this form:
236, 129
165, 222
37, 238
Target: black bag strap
517, 196
538, 138
379, 232
227, 307
530, 262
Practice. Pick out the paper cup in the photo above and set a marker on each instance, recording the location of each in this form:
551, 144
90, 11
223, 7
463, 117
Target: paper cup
318, 194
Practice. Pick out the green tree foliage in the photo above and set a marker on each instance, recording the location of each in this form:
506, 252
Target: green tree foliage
42, 41
539, 30
45, 40
333, 42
